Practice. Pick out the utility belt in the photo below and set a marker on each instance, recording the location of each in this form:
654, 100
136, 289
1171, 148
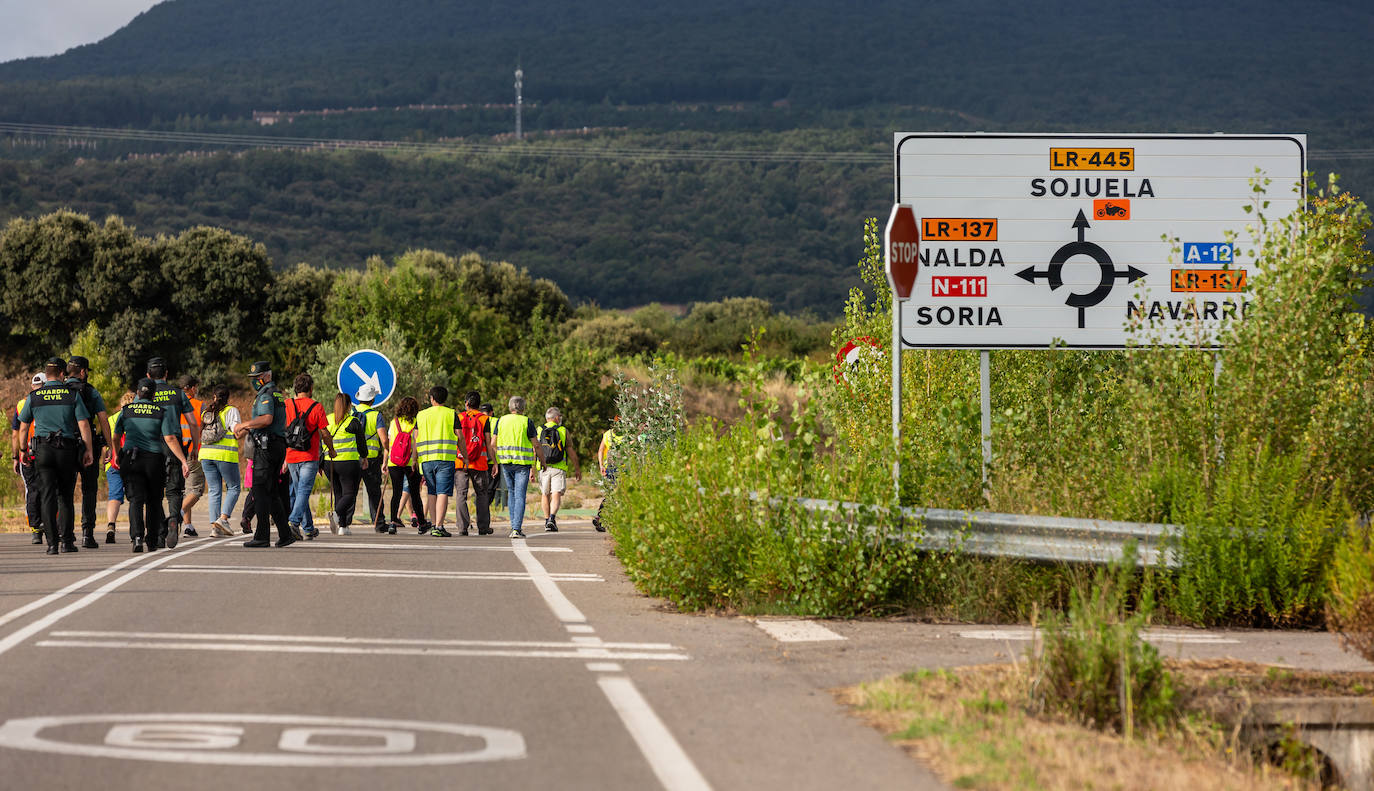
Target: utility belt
263, 441
57, 441
128, 454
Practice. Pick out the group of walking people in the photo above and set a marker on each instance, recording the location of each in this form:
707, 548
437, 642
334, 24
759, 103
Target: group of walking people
163, 441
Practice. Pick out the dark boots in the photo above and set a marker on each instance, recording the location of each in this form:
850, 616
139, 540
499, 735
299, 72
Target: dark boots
88, 538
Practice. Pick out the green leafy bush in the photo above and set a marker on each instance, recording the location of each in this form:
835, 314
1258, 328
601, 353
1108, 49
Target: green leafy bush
1351, 609
1094, 665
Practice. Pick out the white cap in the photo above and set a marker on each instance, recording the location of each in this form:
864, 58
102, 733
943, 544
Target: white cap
38, 380
366, 393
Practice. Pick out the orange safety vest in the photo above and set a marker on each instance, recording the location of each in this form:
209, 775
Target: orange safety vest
198, 406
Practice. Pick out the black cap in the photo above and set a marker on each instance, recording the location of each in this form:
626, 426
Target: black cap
79, 361
259, 368
57, 361
156, 361
146, 383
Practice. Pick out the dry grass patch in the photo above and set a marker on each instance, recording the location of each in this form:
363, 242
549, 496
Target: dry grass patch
972, 726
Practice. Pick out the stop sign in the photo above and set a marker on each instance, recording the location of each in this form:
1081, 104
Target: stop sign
901, 241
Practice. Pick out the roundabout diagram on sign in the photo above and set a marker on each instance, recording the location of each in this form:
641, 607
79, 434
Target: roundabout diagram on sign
1054, 274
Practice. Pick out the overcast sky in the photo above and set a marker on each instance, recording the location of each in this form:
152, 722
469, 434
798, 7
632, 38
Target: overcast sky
48, 27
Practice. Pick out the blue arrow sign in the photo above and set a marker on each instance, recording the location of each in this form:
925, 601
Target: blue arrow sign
367, 366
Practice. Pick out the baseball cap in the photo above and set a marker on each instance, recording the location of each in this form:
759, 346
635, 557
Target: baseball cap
366, 393
57, 361
38, 379
79, 361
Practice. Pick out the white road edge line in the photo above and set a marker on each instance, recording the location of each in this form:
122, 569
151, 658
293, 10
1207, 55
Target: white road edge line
563, 609
426, 547
670, 763
673, 767
20, 612
20, 635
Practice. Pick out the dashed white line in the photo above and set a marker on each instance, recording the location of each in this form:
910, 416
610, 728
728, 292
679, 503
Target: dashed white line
570, 652
563, 608
1026, 634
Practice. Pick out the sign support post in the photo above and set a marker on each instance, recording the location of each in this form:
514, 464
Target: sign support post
901, 240
985, 391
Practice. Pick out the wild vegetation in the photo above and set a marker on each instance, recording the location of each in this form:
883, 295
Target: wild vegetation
1263, 467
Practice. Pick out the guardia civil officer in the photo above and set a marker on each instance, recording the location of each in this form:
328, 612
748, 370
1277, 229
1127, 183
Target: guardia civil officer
62, 434
78, 371
150, 433
172, 397
267, 432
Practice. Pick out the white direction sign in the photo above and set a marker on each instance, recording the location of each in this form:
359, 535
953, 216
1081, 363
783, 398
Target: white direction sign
1086, 241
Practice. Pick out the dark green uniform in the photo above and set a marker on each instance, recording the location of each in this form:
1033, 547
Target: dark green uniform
174, 400
142, 463
90, 475
55, 410
269, 453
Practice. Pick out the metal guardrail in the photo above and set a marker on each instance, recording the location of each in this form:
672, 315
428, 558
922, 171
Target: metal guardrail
1049, 539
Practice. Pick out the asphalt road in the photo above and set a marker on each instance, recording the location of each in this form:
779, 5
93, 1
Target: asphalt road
405, 661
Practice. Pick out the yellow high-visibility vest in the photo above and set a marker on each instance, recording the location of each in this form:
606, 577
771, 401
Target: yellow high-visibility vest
513, 445
434, 437
345, 442
226, 448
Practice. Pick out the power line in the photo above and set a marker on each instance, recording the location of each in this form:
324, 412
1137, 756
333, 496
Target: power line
497, 149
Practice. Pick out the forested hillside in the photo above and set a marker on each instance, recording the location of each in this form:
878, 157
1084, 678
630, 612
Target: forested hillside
620, 233
1219, 64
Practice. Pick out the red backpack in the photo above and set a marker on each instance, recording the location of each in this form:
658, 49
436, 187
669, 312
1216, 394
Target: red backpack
473, 430
402, 445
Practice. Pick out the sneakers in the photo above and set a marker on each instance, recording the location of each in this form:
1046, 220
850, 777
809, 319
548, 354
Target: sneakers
333, 523
380, 528
517, 533
189, 532
110, 533
422, 529
439, 532
392, 528
345, 531
551, 525
245, 526
37, 537
485, 531
220, 527
296, 531
311, 533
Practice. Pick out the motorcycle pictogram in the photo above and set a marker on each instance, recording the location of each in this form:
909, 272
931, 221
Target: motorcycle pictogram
1054, 274
1111, 210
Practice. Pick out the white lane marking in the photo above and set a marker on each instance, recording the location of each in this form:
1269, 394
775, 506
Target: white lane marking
427, 547
579, 628
279, 648
20, 612
670, 763
798, 631
294, 638
20, 635
665, 756
1025, 634
604, 667
563, 609
212, 738
392, 573
589, 640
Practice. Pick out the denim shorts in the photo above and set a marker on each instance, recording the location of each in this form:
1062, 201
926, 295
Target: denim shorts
116, 483
438, 477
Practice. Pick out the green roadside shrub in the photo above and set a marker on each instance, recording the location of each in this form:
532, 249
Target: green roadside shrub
1351, 608
1094, 664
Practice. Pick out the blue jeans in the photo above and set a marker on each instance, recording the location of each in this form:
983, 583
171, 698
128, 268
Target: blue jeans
302, 483
438, 478
517, 480
225, 474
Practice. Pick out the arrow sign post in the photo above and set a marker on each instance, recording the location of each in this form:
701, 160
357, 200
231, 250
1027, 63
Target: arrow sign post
901, 246
367, 366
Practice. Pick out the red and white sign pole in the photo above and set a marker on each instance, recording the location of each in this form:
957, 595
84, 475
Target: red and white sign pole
901, 240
